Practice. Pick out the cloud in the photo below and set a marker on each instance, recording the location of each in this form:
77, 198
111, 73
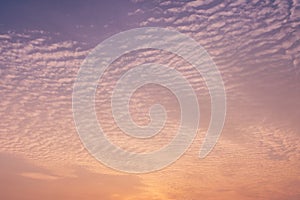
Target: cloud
34, 182
38, 176
254, 44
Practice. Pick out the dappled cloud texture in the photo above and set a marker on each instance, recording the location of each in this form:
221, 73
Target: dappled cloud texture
254, 44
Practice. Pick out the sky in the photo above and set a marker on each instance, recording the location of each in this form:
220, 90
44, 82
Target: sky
255, 46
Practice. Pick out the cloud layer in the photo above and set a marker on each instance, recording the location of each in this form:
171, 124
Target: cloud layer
254, 44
